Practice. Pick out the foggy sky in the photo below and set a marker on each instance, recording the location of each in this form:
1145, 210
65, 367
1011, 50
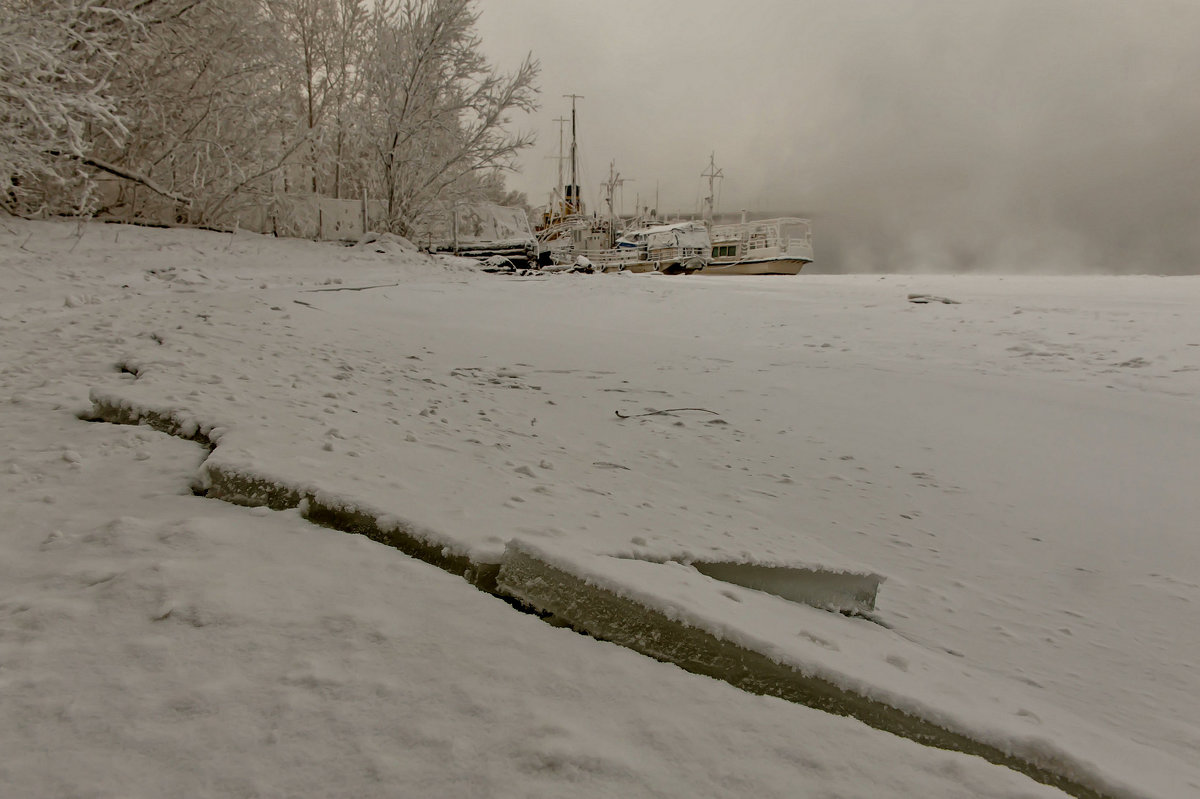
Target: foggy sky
926, 135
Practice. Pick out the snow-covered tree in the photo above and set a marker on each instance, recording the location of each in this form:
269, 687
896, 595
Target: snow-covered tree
56, 104
208, 109
436, 112
322, 46
209, 117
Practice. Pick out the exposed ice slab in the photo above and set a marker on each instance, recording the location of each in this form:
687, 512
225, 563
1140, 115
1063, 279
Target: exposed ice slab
841, 589
241, 487
835, 664
107, 407
822, 579
535, 479
847, 592
330, 511
756, 641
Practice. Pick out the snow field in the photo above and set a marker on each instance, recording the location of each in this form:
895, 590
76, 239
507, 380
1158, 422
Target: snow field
156, 643
892, 684
446, 397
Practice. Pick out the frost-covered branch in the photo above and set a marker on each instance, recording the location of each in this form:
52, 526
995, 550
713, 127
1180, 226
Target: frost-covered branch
149, 183
55, 98
216, 104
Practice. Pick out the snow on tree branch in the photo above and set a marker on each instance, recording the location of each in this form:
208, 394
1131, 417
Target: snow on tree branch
213, 106
55, 100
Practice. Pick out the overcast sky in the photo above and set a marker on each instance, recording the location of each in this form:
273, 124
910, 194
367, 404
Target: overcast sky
1031, 135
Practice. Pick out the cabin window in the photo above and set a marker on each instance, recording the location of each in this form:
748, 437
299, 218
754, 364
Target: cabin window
724, 251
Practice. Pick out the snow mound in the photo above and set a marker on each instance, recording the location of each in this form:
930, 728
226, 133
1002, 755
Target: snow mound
385, 243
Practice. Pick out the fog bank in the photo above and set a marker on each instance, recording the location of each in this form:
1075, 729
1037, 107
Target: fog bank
921, 135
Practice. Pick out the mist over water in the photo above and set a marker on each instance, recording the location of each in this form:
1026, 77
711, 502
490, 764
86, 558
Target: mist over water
1018, 136
919, 135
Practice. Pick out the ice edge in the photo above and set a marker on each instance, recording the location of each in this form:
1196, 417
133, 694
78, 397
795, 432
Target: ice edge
566, 599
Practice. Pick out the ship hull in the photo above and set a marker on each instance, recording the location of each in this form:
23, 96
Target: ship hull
782, 265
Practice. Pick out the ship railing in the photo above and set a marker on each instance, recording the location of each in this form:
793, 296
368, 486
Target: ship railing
678, 254
622, 256
787, 226
800, 248
722, 233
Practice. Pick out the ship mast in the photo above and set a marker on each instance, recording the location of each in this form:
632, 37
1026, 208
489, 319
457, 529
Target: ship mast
614, 181
712, 174
559, 186
573, 189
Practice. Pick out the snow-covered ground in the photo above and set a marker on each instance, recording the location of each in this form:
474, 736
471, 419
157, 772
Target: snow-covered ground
1020, 467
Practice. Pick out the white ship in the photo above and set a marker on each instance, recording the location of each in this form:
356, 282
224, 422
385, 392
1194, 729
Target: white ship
778, 246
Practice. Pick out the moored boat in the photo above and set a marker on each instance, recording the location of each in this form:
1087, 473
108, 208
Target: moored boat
677, 248
777, 246
568, 237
